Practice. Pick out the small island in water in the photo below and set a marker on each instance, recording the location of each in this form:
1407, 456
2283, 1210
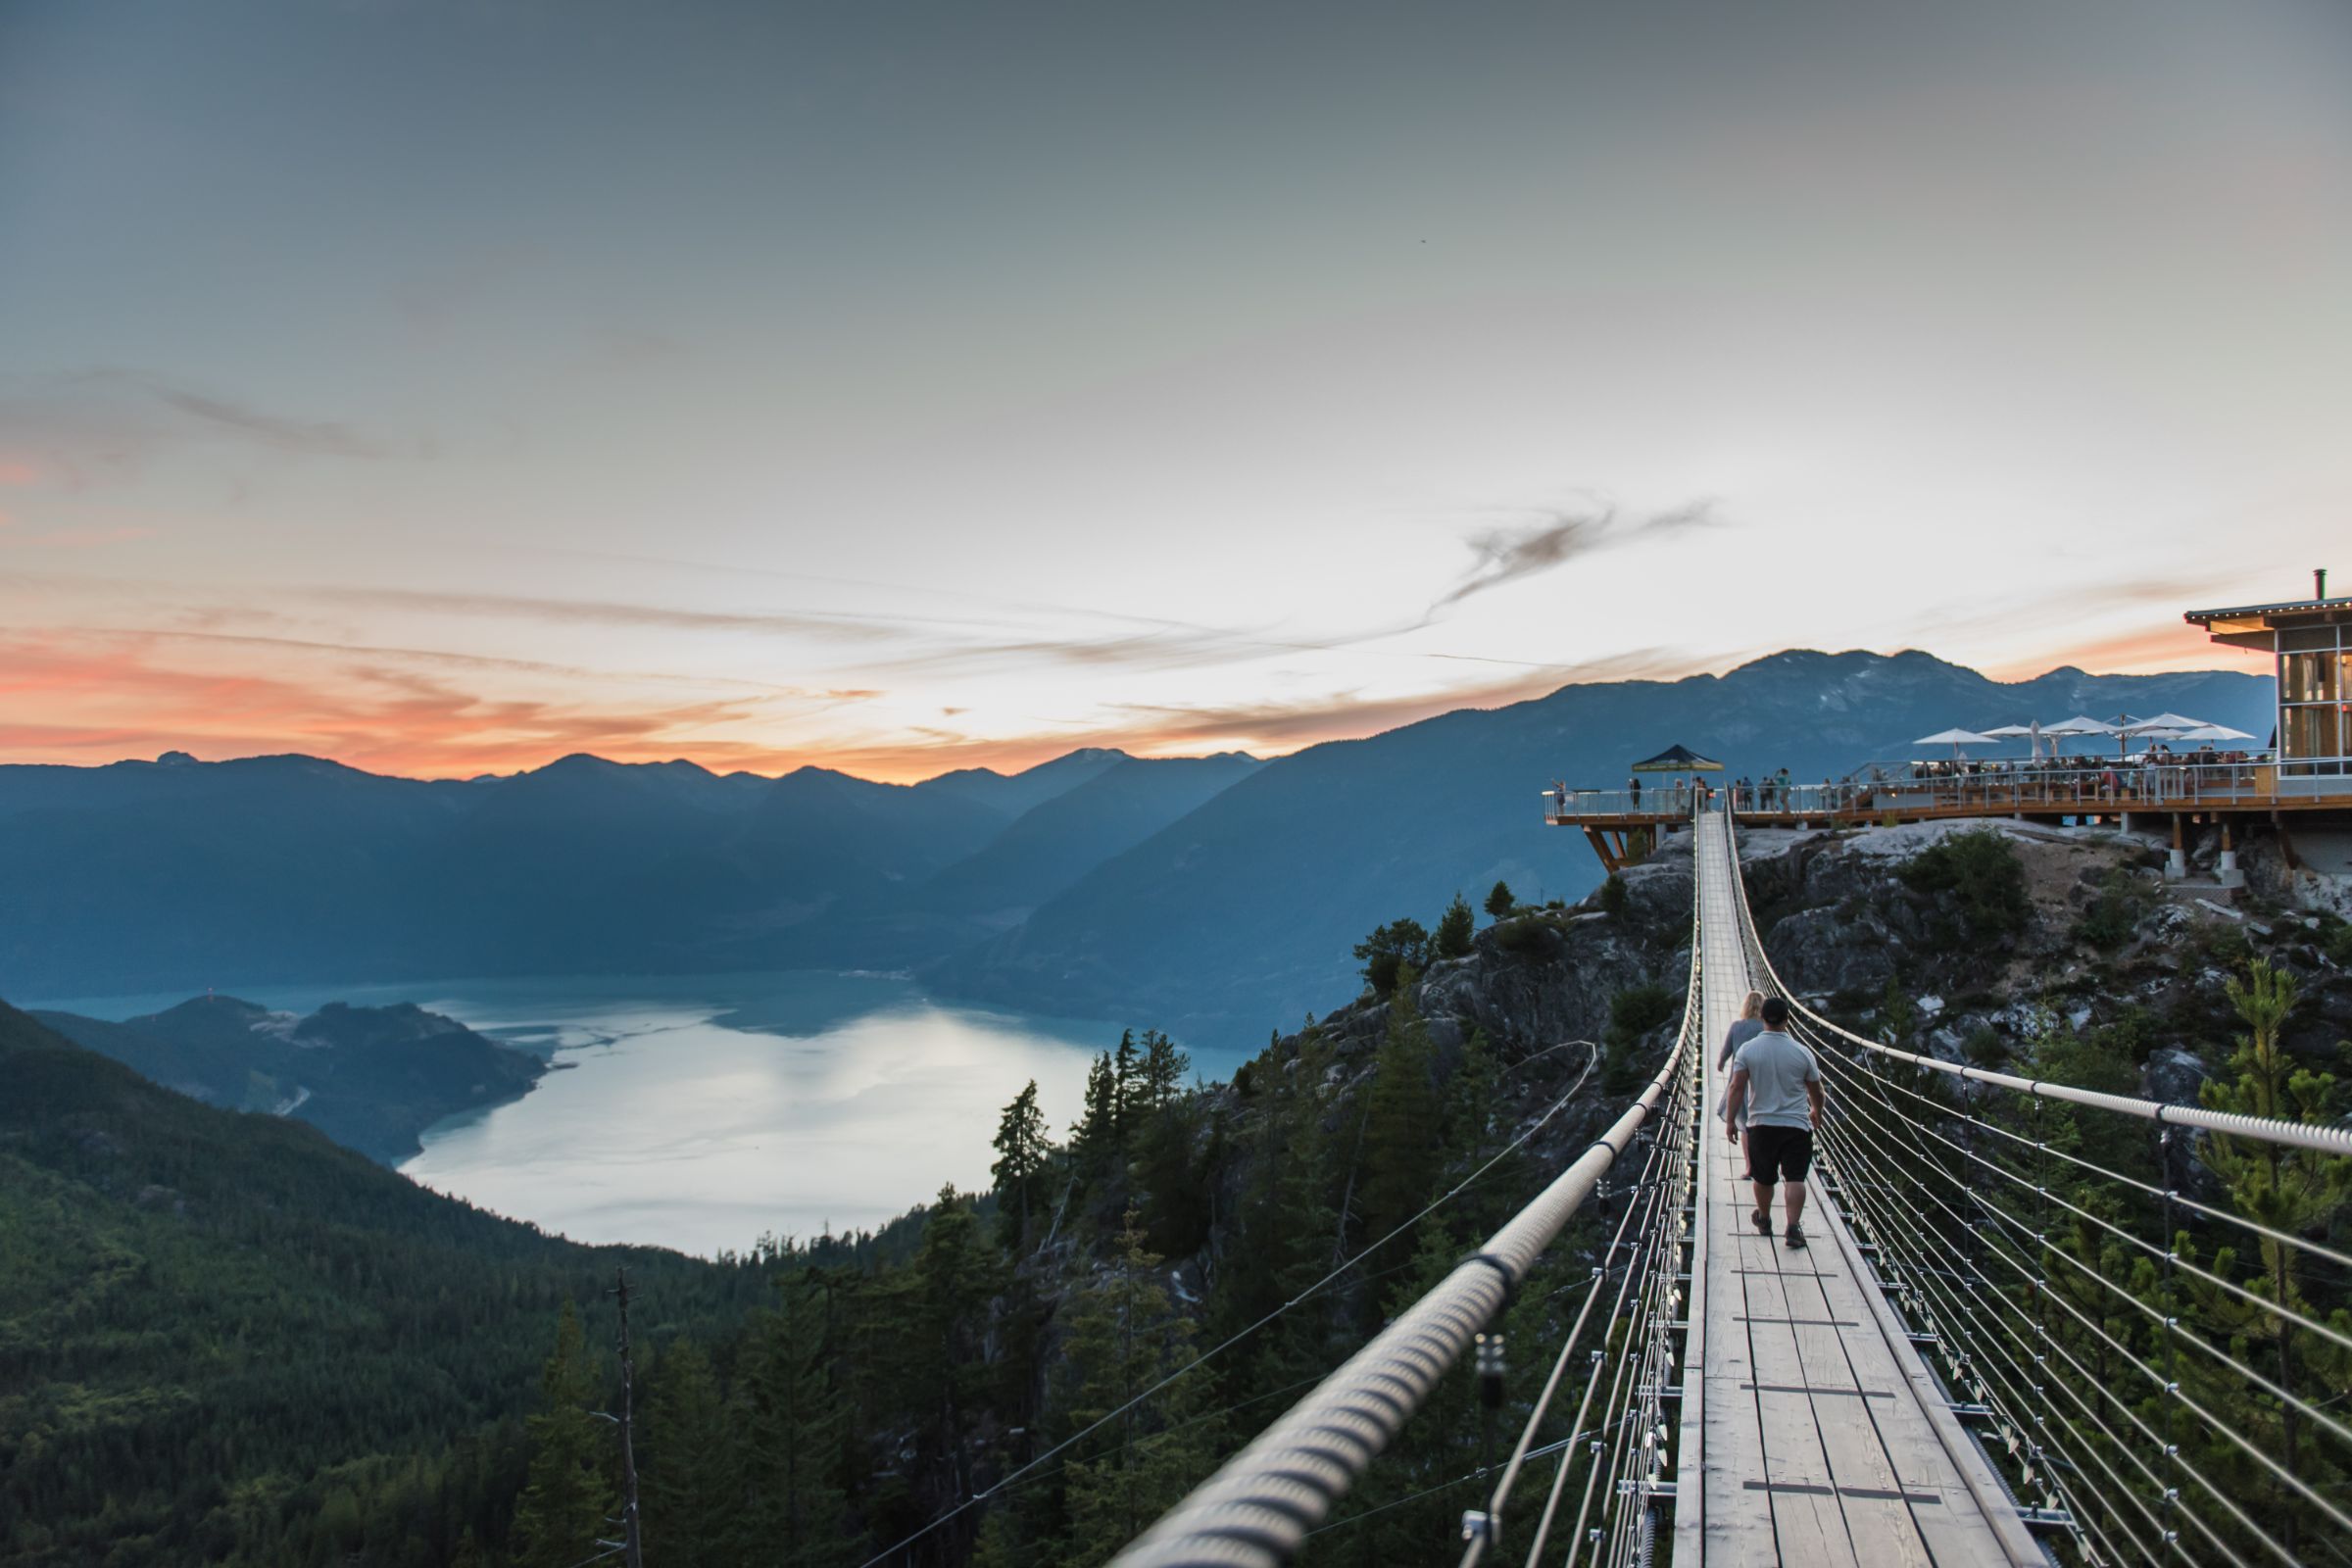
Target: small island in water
371, 1078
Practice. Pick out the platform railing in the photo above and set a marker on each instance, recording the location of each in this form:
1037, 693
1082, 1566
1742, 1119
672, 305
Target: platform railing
2093, 789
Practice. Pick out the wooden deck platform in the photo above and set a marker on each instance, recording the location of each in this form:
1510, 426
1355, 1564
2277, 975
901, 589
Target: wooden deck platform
1812, 1433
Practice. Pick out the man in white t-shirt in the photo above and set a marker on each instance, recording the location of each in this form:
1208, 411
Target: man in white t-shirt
1777, 1080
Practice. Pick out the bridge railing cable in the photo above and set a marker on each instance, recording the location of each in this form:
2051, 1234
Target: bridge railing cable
1262, 1503
2151, 1369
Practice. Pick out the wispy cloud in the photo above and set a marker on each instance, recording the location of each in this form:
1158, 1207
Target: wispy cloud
78, 538
455, 660
70, 428
613, 613
1559, 536
319, 437
933, 644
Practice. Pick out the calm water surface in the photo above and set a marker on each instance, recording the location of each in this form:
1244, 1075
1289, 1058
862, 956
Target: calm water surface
700, 1111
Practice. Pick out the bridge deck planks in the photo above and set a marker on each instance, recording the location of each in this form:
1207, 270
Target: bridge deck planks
1813, 1444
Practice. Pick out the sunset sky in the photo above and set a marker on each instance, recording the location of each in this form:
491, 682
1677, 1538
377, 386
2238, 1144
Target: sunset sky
444, 387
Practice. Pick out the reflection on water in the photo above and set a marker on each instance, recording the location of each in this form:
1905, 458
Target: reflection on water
700, 1111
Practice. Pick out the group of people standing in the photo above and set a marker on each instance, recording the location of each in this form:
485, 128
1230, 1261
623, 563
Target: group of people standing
1678, 793
1770, 1107
1768, 793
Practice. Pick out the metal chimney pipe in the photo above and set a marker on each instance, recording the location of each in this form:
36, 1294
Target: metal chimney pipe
2319, 583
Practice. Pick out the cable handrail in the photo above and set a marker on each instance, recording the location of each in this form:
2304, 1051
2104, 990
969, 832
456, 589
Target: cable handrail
2319, 1135
2163, 1254
2254, 1227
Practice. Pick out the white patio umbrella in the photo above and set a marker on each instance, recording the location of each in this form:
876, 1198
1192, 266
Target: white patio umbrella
2080, 724
1955, 739
2161, 727
2211, 732
2031, 734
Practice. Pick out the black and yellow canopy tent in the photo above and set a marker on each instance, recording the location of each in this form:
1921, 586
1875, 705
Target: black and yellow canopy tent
1679, 759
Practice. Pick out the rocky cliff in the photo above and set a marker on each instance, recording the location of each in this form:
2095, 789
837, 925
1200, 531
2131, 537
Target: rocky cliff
2091, 942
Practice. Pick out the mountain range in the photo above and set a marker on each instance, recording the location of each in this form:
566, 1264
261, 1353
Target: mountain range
1213, 895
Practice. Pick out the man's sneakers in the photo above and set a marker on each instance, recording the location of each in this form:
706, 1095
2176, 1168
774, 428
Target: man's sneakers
1795, 1239
1755, 1217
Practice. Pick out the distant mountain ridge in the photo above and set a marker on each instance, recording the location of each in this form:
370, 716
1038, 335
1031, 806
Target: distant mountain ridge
1213, 895
145, 876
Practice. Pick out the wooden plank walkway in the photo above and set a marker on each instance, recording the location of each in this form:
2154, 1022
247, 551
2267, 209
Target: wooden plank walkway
1811, 1431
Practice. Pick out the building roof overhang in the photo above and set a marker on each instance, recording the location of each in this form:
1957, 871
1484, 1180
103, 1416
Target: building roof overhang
2255, 617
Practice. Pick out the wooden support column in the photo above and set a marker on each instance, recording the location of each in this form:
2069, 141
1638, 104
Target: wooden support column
1601, 847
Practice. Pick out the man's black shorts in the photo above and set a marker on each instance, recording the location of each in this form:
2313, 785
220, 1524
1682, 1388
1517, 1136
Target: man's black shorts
1779, 1153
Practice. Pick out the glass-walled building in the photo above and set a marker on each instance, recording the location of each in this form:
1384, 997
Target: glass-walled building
2311, 641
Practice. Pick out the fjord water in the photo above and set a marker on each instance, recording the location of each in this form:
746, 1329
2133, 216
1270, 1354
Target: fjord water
700, 1111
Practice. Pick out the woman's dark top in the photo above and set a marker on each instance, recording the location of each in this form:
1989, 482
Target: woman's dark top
1741, 1030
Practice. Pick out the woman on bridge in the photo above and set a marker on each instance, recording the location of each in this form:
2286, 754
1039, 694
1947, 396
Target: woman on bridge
1744, 1028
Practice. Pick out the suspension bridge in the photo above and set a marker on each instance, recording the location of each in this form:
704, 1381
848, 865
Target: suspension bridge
1967, 1365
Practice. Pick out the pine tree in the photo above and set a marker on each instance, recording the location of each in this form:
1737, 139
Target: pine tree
693, 1492
1390, 951
1474, 1135
2297, 1191
1501, 901
1022, 1151
569, 1494
957, 1274
1124, 1339
1457, 929
1164, 1070
1401, 1142
1285, 1227
1127, 1090
1095, 1138
793, 1514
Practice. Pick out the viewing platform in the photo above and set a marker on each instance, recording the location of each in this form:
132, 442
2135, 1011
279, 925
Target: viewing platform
1624, 825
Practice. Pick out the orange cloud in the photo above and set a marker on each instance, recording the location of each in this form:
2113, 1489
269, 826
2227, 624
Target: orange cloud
83, 698
16, 471
2147, 651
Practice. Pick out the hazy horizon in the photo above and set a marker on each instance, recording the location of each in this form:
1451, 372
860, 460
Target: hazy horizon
1019, 761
